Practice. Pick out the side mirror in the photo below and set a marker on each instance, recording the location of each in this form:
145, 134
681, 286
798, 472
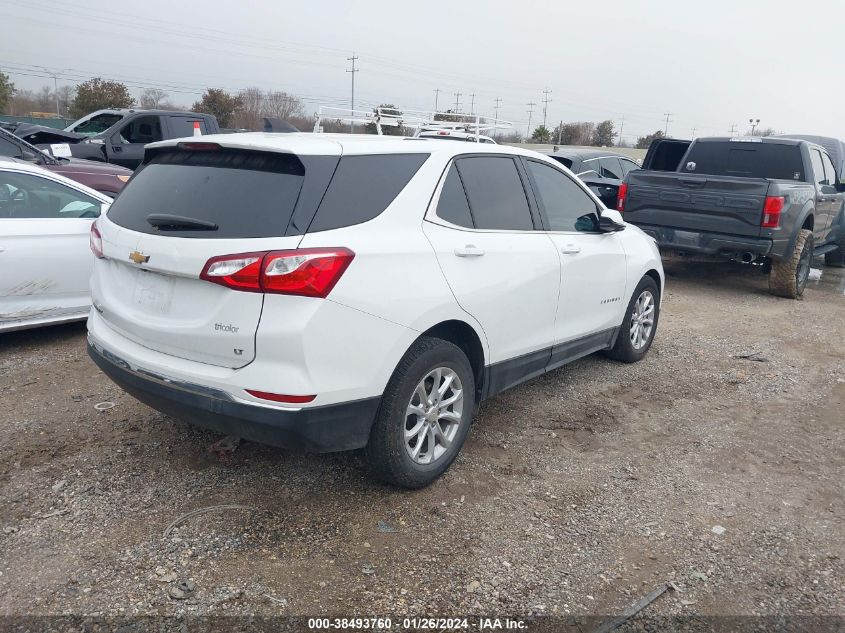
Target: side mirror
840, 187
610, 221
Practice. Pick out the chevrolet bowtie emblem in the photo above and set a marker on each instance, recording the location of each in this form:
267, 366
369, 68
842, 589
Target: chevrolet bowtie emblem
138, 257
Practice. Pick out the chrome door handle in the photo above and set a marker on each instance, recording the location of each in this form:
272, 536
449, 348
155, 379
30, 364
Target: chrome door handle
469, 250
570, 249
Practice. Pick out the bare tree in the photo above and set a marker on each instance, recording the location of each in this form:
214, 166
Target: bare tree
45, 99
66, 95
282, 105
154, 99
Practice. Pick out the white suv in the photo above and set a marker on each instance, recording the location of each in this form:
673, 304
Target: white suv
328, 293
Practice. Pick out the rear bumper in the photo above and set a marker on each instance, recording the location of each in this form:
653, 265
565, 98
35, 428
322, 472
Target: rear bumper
705, 243
322, 429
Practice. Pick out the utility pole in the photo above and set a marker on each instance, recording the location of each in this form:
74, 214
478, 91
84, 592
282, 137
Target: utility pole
621, 127
733, 129
353, 59
546, 100
457, 101
666, 129
472, 103
496, 110
693, 133
530, 105
436, 97
559, 131
55, 76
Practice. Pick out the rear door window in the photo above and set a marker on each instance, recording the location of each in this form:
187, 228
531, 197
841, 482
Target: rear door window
818, 167
363, 187
627, 166
829, 171
246, 194
496, 196
452, 205
181, 126
610, 168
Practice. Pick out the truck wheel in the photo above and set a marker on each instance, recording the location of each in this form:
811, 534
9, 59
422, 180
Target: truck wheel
425, 415
640, 324
788, 277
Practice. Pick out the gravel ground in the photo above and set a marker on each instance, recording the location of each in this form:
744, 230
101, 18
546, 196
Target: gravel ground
575, 495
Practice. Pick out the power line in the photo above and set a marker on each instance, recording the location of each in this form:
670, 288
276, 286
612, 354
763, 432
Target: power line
352, 59
457, 101
546, 100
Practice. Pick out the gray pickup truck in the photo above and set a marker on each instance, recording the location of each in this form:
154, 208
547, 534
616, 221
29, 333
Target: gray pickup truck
771, 201
118, 136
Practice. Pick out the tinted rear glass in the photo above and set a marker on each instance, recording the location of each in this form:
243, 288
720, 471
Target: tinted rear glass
452, 205
496, 196
745, 160
364, 186
246, 194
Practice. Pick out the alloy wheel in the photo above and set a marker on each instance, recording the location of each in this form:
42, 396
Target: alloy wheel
433, 415
642, 320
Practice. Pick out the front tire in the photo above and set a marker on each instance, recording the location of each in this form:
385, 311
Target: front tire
640, 325
425, 415
788, 277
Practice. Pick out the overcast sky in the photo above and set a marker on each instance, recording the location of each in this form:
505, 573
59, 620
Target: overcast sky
711, 64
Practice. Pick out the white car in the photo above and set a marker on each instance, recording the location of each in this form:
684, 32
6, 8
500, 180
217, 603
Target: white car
333, 292
45, 262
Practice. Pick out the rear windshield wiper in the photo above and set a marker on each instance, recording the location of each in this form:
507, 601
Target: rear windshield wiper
168, 222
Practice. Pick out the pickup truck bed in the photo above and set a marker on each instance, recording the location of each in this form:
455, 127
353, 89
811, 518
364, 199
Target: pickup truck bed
742, 199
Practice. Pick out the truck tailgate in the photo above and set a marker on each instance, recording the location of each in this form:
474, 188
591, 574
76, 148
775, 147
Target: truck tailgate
716, 204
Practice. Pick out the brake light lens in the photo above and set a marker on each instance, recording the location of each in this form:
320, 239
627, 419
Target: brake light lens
198, 146
620, 196
95, 240
279, 397
309, 272
771, 211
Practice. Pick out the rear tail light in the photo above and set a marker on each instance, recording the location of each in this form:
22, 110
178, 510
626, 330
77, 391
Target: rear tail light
771, 211
620, 196
309, 272
279, 397
96, 241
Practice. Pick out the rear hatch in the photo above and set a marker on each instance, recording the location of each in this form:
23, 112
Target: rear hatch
186, 205
720, 186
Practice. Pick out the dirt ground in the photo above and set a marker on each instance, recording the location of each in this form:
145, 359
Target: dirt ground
576, 494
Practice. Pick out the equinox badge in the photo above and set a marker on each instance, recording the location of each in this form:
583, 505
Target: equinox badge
138, 257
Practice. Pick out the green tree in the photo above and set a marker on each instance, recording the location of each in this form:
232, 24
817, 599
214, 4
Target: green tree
541, 135
7, 91
97, 94
219, 103
603, 134
644, 141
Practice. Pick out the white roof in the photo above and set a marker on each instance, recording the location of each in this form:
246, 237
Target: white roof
29, 168
309, 144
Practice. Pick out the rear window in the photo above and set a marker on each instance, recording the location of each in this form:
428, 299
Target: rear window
745, 160
246, 194
363, 187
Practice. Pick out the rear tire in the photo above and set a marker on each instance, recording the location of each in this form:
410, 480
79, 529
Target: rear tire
418, 431
788, 277
633, 341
